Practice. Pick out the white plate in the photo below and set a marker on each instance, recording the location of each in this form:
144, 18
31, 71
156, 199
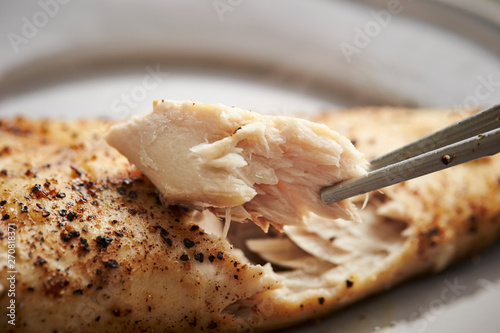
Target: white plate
112, 58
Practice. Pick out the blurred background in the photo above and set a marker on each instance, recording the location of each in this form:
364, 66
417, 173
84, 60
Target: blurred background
67, 57
112, 58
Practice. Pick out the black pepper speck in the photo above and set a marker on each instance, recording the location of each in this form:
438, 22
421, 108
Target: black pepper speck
199, 257
77, 170
40, 261
72, 215
68, 235
104, 241
112, 263
163, 232
84, 245
188, 243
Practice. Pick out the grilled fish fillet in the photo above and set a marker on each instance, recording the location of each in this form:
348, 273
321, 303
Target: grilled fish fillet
96, 251
265, 168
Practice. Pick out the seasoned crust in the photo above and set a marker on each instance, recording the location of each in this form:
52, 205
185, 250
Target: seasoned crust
96, 251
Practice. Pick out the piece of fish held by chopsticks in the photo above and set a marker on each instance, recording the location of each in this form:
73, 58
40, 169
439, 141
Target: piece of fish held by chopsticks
268, 169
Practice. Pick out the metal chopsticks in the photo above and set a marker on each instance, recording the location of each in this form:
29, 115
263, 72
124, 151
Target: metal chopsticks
468, 139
